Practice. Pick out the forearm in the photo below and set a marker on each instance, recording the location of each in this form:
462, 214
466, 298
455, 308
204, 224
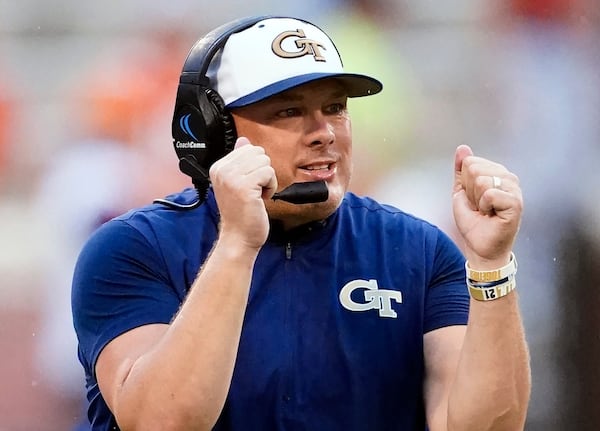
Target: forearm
492, 385
182, 382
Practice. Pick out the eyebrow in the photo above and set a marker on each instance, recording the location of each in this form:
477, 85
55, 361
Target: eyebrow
296, 96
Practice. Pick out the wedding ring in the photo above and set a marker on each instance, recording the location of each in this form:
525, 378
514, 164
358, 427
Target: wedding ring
496, 182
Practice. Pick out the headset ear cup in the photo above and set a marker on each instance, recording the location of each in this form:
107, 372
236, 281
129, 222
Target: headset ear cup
229, 133
211, 107
201, 126
189, 126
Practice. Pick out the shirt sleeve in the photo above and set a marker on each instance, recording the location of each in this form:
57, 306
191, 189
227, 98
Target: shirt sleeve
119, 283
447, 299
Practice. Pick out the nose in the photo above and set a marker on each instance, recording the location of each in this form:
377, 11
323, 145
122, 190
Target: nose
319, 130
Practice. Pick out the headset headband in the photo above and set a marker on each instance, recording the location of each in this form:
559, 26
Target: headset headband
198, 60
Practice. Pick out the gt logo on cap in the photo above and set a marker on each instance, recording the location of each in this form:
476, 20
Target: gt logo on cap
306, 46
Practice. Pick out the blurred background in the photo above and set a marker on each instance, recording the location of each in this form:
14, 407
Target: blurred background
86, 97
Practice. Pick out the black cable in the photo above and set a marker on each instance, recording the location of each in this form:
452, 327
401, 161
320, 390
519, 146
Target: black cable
201, 190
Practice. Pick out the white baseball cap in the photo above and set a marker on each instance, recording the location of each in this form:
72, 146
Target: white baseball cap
275, 55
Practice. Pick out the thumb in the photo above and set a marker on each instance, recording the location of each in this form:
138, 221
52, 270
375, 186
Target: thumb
241, 141
461, 152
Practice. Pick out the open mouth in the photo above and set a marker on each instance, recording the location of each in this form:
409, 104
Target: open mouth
320, 167
319, 171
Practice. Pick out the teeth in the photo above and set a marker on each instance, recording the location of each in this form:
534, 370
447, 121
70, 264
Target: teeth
317, 167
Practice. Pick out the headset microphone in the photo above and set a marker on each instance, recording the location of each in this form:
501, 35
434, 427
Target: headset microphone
304, 193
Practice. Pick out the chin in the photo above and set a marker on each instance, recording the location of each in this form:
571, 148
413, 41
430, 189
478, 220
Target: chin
296, 214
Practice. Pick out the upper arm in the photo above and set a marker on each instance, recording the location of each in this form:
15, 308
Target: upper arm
442, 351
122, 303
119, 356
119, 283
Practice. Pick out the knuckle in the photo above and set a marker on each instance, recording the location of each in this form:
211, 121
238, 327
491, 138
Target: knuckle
518, 205
481, 182
214, 170
264, 160
256, 149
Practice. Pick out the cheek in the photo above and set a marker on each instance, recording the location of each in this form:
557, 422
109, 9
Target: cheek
274, 143
345, 142
280, 161
344, 137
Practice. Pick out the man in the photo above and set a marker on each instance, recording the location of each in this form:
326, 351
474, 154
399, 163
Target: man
250, 313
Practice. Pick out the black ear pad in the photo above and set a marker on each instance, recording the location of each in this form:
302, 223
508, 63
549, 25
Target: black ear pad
202, 128
224, 119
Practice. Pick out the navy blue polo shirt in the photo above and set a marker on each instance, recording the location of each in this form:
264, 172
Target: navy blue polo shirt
333, 331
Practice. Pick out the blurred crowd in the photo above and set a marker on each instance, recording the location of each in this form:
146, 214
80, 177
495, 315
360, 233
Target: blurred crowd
86, 98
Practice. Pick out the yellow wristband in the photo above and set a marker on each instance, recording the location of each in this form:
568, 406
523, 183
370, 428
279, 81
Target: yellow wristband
492, 293
508, 270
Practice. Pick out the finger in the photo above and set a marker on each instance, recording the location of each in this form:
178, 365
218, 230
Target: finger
242, 148
478, 176
241, 141
252, 162
496, 201
499, 179
495, 191
265, 178
461, 152
240, 161
496, 182
477, 188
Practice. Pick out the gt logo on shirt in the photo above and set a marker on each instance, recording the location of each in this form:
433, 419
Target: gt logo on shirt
374, 298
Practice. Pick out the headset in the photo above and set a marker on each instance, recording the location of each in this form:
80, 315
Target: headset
202, 128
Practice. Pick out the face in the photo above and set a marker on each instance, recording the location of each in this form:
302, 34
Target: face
306, 132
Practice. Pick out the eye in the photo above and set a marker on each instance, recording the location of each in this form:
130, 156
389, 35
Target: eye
288, 112
336, 108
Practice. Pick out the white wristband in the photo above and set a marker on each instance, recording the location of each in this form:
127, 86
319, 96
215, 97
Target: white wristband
510, 269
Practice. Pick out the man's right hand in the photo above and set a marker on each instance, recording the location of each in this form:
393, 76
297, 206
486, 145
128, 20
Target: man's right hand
241, 180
